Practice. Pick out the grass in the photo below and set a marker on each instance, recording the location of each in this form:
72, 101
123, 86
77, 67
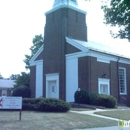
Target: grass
81, 109
119, 114
50, 121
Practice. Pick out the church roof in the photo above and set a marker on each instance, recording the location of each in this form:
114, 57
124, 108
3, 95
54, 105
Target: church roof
4, 83
99, 47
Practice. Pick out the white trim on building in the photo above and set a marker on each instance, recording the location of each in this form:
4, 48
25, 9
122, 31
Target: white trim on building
87, 50
71, 78
32, 61
39, 80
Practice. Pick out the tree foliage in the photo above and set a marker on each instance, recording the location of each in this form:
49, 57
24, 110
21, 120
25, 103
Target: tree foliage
22, 91
1, 77
14, 76
118, 14
37, 43
22, 80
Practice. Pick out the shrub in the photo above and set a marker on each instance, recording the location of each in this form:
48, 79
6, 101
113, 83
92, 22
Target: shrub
107, 101
103, 100
93, 97
22, 91
48, 105
53, 105
81, 96
30, 103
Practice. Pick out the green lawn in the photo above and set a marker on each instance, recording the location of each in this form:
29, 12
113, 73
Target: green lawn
81, 109
50, 121
119, 114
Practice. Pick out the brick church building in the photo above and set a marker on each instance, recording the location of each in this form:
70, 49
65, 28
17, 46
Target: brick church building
68, 61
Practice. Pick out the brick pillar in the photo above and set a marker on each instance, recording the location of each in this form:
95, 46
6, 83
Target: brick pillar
0, 92
8, 92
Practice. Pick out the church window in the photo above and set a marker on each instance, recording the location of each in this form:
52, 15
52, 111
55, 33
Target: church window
104, 86
122, 80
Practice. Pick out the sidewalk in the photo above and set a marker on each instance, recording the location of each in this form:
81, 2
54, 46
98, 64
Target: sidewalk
91, 113
102, 128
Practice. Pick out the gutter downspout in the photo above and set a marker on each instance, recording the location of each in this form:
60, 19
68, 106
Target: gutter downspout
118, 80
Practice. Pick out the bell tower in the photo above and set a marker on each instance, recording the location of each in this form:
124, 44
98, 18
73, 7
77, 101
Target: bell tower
64, 19
68, 14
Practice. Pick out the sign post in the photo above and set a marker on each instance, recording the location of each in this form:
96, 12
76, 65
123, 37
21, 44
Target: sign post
20, 113
11, 103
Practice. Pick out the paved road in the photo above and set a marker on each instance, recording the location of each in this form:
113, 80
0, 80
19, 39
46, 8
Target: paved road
105, 128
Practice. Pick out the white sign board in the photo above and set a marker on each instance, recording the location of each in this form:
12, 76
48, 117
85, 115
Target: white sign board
10, 102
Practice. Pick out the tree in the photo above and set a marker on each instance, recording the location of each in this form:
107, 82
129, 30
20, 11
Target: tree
38, 41
22, 91
22, 80
1, 76
118, 14
14, 76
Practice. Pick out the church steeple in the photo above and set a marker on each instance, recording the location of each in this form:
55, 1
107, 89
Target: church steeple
65, 19
73, 3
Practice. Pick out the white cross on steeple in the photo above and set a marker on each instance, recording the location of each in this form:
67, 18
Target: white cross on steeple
73, 3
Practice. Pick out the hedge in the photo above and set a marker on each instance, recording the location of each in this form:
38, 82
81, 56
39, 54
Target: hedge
30, 103
103, 100
84, 97
45, 105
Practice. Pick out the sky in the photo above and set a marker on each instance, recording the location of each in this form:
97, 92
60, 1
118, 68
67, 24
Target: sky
21, 20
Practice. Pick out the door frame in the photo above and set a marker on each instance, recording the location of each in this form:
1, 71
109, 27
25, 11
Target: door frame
52, 77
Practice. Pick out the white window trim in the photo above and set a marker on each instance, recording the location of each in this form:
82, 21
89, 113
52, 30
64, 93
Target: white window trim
103, 81
125, 93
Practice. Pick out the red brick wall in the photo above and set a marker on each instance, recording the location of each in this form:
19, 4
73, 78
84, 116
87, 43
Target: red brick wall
77, 25
90, 70
40, 56
0, 92
33, 80
71, 49
8, 92
83, 73
114, 89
